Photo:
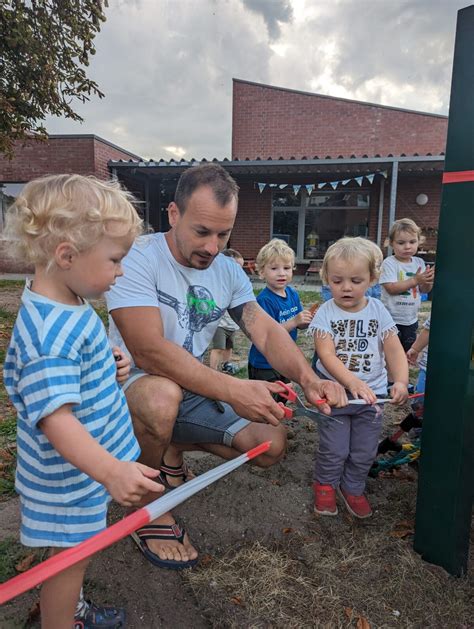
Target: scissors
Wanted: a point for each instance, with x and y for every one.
(301, 411)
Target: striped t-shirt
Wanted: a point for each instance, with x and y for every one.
(58, 355)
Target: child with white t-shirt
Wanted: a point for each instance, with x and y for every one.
(354, 337)
(403, 278)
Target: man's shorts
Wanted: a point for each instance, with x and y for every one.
(223, 339)
(61, 526)
(200, 420)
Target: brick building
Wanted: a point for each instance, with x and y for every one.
(81, 154)
(313, 168)
(310, 168)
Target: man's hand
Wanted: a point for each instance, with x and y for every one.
(331, 391)
(252, 399)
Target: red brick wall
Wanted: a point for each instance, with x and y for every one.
(274, 122)
(87, 155)
(252, 226)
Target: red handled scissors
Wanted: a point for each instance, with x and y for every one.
(301, 411)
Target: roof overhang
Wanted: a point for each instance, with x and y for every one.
(162, 169)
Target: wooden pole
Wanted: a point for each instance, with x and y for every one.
(446, 480)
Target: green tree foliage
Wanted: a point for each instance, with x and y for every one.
(44, 48)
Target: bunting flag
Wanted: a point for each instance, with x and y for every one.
(309, 187)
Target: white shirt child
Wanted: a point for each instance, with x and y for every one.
(403, 307)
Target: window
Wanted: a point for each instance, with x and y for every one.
(311, 223)
(8, 193)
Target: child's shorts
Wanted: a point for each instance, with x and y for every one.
(62, 526)
(223, 339)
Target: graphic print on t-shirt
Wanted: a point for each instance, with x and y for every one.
(402, 276)
(199, 310)
(352, 343)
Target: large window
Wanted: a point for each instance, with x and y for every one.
(311, 223)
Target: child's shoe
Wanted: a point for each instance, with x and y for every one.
(359, 506)
(91, 616)
(324, 499)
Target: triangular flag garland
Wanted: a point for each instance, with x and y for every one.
(309, 187)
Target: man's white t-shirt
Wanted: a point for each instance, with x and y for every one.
(358, 338)
(403, 307)
(191, 301)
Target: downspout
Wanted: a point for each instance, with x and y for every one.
(393, 198)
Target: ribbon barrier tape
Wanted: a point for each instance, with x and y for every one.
(52, 566)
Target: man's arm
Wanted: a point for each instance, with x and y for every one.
(142, 331)
(274, 342)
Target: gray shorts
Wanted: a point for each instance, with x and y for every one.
(223, 339)
(200, 420)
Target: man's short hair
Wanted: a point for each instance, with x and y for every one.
(217, 178)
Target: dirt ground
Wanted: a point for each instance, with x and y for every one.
(267, 561)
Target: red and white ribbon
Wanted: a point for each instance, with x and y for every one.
(52, 566)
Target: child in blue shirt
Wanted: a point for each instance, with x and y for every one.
(75, 442)
(275, 263)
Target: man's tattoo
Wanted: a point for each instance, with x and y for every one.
(244, 315)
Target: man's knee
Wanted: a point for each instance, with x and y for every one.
(154, 404)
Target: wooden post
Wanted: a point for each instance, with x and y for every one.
(446, 480)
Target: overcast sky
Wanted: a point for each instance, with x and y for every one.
(166, 66)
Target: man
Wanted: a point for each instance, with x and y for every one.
(165, 310)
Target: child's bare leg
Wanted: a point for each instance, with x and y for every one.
(226, 355)
(215, 358)
(60, 594)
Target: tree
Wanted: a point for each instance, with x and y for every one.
(44, 47)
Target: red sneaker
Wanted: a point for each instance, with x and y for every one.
(324, 499)
(359, 506)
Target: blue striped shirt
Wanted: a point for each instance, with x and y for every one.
(58, 355)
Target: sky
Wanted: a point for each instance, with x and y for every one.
(166, 66)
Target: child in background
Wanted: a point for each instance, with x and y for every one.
(418, 353)
(403, 278)
(76, 447)
(223, 341)
(275, 263)
(354, 337)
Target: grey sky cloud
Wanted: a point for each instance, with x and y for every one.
(167, 67)
(274, 13)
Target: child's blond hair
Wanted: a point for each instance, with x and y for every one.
(348, 249)
(274, 249)
(66, 208)
(404, 225)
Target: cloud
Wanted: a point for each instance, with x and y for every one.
(167, 67)
(274, 13)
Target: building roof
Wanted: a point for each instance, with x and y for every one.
(310, 165)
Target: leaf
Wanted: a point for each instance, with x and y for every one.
(33, 613)
(287, 530)
(362, 623)
(237, 600)
(349, 612)
(206, 560)
(26, 563)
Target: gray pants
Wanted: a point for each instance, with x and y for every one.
(347, 450)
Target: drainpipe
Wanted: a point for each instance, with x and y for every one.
(393, 199)
(380, 217)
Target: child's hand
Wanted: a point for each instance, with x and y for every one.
(360, 389)
(412, 356)
(122, 363)
(129, 482)
(425, 277)
(399, 393)
(303, 319)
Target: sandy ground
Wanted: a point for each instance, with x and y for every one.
(267, 561)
